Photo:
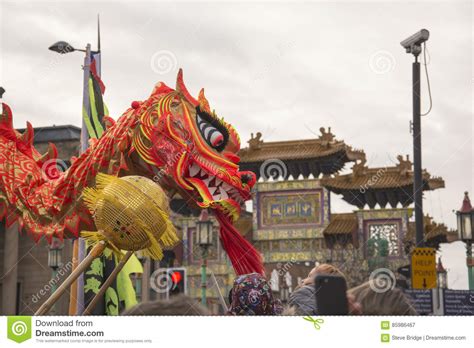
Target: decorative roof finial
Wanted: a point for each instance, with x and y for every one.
(466, 204)
(255, 143)
(326, 137)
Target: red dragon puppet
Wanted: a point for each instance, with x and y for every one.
(171, 137)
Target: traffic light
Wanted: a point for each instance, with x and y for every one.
(177, 279)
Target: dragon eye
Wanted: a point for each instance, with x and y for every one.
(211, 131)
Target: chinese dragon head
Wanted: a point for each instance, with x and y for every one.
(181, 139)
(192, 150)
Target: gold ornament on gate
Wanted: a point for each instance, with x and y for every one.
(130, 213)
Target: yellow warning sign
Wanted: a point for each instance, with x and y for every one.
(423, 268)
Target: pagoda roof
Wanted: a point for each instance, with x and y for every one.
(383, 185)
(435, 233)
(343, 228)
(324, 155)
(344, 223)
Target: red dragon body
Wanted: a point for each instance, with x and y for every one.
(171, 137)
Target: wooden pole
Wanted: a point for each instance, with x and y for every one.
(107, 283)
(73, 292)
(95, 252)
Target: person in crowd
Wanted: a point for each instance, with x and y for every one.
(325, 268)
(376, 301)
(176, 305)
(252, 295)
(303, 299)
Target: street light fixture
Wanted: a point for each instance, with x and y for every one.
(204, 230)
(442, 275)
(204, 235)
(63, 47)
(465, 219)
(54, 262)
(55, 254)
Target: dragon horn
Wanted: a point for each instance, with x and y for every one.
(203, 103)
(6, 117)
(181, 89)
(51, 153)
(28, 135)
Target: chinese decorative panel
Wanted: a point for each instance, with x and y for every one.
(285, 209)
(383, 238)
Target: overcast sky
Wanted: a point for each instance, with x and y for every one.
(284, 69)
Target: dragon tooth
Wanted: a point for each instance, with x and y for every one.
(217, 197)
(212, 190)
(193, 170)
(218, 181)
(224, 194)
(203, 172)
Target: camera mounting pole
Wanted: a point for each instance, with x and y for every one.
(413, 45)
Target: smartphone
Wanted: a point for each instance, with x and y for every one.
(331, 297)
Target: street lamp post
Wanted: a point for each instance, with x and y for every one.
(204, 229)
(465, 220)
(63, 47)
(54, 262)
(413, 45)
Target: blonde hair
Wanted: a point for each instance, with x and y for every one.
(390, 302)
(326, 268)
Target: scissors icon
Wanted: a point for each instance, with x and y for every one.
(316, 322)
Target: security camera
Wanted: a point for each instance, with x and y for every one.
(413, 43)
